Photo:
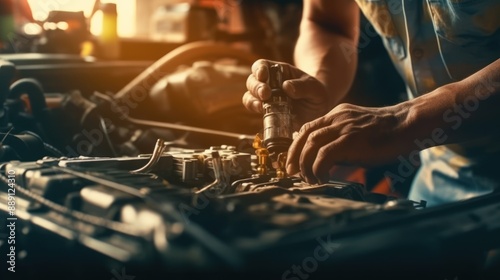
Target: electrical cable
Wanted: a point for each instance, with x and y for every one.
(53, 150)
(106, 135)
(190, 129)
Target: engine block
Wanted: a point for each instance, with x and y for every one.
(161, 220)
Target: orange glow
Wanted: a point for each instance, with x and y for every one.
(126, 12)
(41, 8)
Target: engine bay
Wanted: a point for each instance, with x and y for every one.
(193, 210)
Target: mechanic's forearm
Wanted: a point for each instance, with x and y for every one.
(328, 56)
(461, 111)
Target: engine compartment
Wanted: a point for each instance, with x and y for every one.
(157, 222)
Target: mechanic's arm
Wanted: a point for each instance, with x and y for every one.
(465, 110)
(325, 52)
(355, 135)
(327, 46)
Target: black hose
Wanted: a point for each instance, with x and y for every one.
(34, 90)
(48, 148)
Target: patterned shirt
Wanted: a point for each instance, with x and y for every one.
(433, 43)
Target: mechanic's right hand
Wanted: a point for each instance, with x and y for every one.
(309, 96)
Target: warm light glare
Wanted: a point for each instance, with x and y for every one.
(126, 13)
(41, 8)
(96, 24)
(126, 17)
(32, 29)
(62, 25)
(50, 26)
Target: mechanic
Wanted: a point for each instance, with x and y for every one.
(447, 51)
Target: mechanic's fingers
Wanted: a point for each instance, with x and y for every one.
(251, 103)
(292, 163)
(301, 88)
(315, 143)
(257, 88)
(260, 69)
(290, 89)
(328, 156)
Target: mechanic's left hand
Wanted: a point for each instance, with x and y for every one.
(349, 135)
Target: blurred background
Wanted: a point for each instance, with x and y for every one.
(181, 62)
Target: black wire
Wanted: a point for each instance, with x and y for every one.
(106, 135)
(53, 150)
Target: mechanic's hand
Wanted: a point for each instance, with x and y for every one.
(349, 135)
(308, 95)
